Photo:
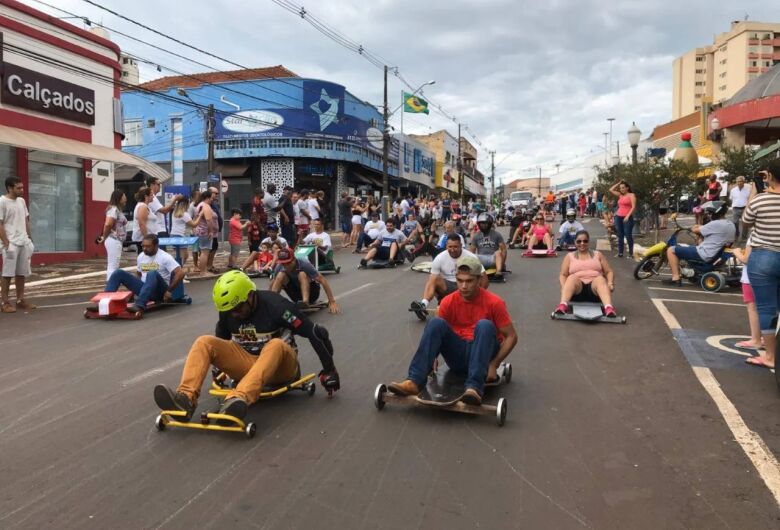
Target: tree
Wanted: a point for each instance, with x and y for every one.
(738, 161)
(651, 182)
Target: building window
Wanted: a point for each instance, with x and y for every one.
(699, 58)
(341, 146)
(56, 202)
(699, 83)
(697, 108)
(700, 71)
(279, 143)
(301, 144)
(257, 144)
(133, 133)
(235, 144)
(320, 144)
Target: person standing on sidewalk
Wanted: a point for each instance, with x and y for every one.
(215, 238)
(345, 213)
(16, 244)
(763, 214)
(114, 231)
(624, 218)
(287, 215)
(145, 222)
(739, 196)
(157, 208)
(271, 204)
(205, 229)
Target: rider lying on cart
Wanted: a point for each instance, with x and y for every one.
(473, 332)
(246, 315)
(586, 277)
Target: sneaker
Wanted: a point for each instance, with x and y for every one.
(7, 308)
(132, 308)
(471, 397)
(235, 407)
(671, 281)
(363, 264)
(25, 305)
(562, 308)
(416, 305)
(609, 311)
(407, 387)
(166, 399)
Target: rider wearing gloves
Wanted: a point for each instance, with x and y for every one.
(246, 315)
(489, 245)
(716, 234)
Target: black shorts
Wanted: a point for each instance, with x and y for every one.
(214, 244)
(254, 246)
(382, 253)
(293, 289)
(586, 295)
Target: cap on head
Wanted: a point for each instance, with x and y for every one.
(231, 289)
(471, 263)
(284, 257)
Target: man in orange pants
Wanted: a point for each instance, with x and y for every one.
(248, 346)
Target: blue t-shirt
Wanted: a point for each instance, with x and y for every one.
(301, 265)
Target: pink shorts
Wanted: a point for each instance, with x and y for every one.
(747, 294)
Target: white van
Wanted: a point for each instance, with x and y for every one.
(521, 199)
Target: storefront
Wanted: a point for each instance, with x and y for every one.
(61, 128)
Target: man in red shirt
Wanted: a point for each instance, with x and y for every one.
(473, 332)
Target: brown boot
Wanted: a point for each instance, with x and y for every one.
(471, 397)
(407, 387)
(6, 307)
(24, 305)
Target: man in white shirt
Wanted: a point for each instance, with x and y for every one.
(270, 204)
(386, 246)
(405, 207)
(739, 197)
(444, 268)
(302, 215)
(320, 239)
(371, 231)
(157, 276)
(157, 208)
(16, 244)
(314, 206)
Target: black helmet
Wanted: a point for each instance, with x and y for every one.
(485, 222)
(715, 209)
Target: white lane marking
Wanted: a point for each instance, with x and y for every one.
(61, 305)
(751, 443)
(152, 372)
(716, 342)
(697, 302)
(669, 318)
(73, 277)
(356, 289)
(756, 450)
(692, 291)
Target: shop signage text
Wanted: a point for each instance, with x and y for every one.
(42, 93)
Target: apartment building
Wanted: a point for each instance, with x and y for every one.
(716, 72)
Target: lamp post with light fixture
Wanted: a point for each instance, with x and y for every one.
(633, 140)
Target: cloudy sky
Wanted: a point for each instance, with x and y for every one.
(533, 80)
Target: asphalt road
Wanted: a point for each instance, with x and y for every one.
(608, 425)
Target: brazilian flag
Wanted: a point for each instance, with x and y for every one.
(415, 104)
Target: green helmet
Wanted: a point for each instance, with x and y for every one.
(232, 289)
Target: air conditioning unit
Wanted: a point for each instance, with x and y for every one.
(150, 124)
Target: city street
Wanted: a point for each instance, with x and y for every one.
(643, 425)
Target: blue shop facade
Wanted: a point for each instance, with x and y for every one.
(290, 131)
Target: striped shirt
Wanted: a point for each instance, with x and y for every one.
(763, 212)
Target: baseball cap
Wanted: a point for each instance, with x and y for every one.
(471, 263)
(284, 257)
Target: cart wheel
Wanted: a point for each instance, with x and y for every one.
(338, 270)
(507, 372)
(159, 422)
(86, 313)
(379, 396)
(250, 430)
(623, 320)
(552, 315)
(501, 412)
(188, 301)
(712, 281)
(310, 389)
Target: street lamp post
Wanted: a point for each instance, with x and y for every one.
(633, 139)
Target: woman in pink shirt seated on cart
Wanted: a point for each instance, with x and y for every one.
(586, 277)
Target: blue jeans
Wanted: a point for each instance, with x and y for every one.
(764, 274)
(566, 239)
(625, 228)
(463, 357)
(153, 289)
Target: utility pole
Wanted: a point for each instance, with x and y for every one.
(540, 181)
(461, 181)
(609, 155)
(385, 146)
(492, 175)
(210, 138)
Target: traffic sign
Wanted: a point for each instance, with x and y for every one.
(224, 186)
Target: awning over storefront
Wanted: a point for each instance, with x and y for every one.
(366, 180)
(232, 170)
(766, 151)
(55, 144)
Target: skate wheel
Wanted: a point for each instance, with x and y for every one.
(159, 422)
(310, 389)
(338, 270)
(507, 372)
(623, 320)
(379, 396)
(501, 412)
(250, 430)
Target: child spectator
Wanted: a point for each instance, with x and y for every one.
(236, 236)
(756, 341)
